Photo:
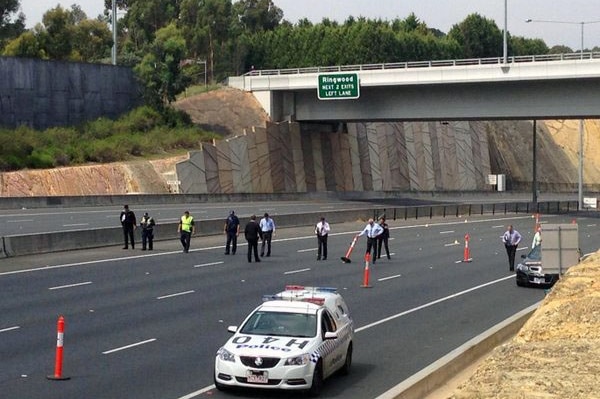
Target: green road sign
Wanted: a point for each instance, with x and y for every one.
(338, 86)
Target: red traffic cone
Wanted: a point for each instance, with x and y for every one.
(365, 283)
(346, 259)
(467, 252)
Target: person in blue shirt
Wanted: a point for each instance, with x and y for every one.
(372, 230)
(511, 239)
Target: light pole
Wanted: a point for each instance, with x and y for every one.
(114, 32)
(581, 121)
(504, 37)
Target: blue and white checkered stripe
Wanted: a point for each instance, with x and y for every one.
(330, 345)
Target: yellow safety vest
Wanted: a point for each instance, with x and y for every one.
(187, 223)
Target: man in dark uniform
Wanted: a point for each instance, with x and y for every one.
(252, 233)
(382, 239)
(147, 223)
(232, 230)
(128, 223)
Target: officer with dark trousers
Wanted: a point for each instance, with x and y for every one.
(511, 239)
(267, 227)
(232, 230)
(382, 239)
(128, 223)
(147, 224)
(372, 230)
(322, 231)
(252, 233)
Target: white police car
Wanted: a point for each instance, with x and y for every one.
(293, 340)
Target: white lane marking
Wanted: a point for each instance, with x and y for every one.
(306, 250)
(198, 393)
(426, 305)
(128, 346)
(210, 264)
(327, 207)
(591, 225)
(19, 221)
(76, 224)
(9, 329)
(389, 278)
(60, 287)
(174, 295)
(522, 248)
(297, 271)
(452, 244)
(447, 232)
(385, 320)
(498, 226)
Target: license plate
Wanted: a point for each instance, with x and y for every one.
(257, 377)
(538, 280)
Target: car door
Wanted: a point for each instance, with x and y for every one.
(331, 348)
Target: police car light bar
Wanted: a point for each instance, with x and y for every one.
(303, 288)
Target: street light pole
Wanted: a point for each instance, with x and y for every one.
(505, 39)
(114, 32)
(581, 121)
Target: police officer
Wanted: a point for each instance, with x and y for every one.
(252, 233)
(186, 229)
(128, 223)
(372, 230)
(267, 227)
(322, 231)
(382, 239)
(232, 230)
(147, 224)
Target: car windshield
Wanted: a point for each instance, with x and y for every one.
(281, 324)
(535, 253)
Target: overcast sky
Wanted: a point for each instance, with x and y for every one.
(440, 14)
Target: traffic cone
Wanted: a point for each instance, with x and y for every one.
(467, 252)
(58, 361)
(365, 283)
(346, 259)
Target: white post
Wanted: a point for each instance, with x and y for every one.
(114, 32)
(505, 45)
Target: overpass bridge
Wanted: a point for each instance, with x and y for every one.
(556, 86)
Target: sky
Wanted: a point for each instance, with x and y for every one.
(440, 14)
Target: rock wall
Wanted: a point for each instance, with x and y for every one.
(289, 157)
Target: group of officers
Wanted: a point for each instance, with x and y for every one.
(377, 234)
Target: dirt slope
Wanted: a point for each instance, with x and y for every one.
(556, 355)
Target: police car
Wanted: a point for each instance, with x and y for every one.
(293, 340)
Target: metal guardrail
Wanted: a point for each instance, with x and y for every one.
(427, 64)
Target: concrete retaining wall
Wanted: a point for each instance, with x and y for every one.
(42, 94)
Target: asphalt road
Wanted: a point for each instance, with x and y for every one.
(147, 325)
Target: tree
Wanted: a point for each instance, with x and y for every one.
(479, 37)
(160, 69)
(522, 46)
(560, 49)
(9, 28)
(26, 45)
(258, 15)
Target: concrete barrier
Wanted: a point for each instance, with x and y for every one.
(436, 374)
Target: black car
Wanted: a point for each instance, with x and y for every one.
(530, 271)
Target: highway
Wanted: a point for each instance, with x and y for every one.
(28, 221)
(147, 325)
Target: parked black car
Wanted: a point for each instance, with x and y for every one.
(530, 271)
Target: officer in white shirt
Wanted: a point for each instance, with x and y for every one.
(267, 226)
(371, 230)
(322, 230)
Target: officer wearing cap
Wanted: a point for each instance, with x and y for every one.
(147, 224)
(372, 230)
(231, 230)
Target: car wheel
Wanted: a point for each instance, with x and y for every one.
(520, 283)
(345, 370)
(218, 385)
(317, 381)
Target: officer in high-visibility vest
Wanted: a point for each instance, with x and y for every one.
(186, 229)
